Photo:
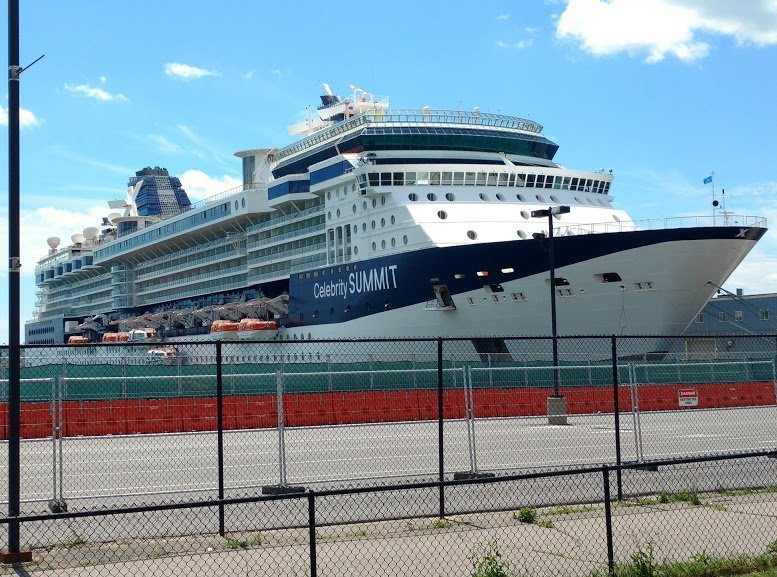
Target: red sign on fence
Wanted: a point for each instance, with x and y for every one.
(688, 397)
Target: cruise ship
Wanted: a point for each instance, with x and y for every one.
(381, 222)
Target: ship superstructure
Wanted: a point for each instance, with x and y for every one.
(390, 222)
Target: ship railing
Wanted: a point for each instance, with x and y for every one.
(225, 194)
(660, 224)
(384, 116)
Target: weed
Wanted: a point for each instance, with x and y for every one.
(357, 534)
(526, 515)
(663, 497)
(158, 552)
(488, 562)
(571, 509)
(691, 497)
(251, 541)
(547, 524)
(442, 524)
(76, 541)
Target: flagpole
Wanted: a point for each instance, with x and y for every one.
(712, 176)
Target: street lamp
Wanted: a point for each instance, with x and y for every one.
(557, 406)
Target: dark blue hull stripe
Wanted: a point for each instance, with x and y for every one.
(346, 292)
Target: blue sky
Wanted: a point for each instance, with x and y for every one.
(661, 91)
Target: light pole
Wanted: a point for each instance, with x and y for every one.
(557, 405)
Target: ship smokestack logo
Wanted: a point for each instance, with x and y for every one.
(365, 281)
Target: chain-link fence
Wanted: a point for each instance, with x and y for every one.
(124, 424)
(708, 511)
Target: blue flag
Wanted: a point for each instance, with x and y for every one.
(708, 180)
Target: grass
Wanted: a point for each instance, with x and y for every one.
(251, 541)
(691, 497)
(644, 564)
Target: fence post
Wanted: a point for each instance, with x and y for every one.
(616, 410)
(440, 428)
(608, 520)
(220, 433)
(312, 532)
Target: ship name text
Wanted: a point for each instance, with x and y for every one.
(363, 281)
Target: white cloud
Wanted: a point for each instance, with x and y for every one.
(163, 145)
(199, 185)
(503, 17)
(96, 93)
(277, 73)
(248, 75)
(661, 28)
(187, 72)
(27, 118)
(521, 44)
(103, 79)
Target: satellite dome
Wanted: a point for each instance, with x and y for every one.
(113, 216)
(77, 238)
(90, 232)
(52, 241)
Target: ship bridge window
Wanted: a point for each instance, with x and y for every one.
(399, 179)
(540, 181)
(608, 277)
(458, 178)
(520, 180)
(447, 178)
(423, 178)
(385, 179)
(503, 178)
(574, 184)
(469, 179)
(530, 180)
(374, 180)
(434, 179)
(557, 182)
(481, 179)
(548, 182)
(410, 178)
(511, 181)
(492, 179)
(565, 185)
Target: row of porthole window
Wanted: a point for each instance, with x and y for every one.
(338, 191)
(242, 203)
(383, 243)
(413, 197)
(365, 206)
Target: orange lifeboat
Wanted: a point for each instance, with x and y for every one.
(222, 326)
(257, 325)
(110, 337)
(122, 337)
(77, 340)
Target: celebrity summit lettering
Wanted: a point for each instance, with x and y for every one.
(363, 281)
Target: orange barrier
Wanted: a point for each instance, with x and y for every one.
(119, 417)
(3, 421)
(93, 418)
(35, 420)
